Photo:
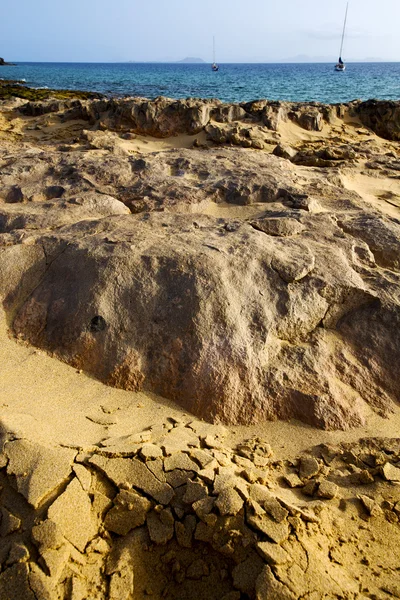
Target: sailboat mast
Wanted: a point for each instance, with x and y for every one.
(344, 30)
(214, 49)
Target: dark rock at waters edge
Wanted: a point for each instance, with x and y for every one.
(10, 88)
(383, 117)
(3, 63)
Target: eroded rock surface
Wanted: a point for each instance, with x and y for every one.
(244, 286)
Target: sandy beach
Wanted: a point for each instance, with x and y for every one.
(199, 350)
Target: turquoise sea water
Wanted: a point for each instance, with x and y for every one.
(232, 83)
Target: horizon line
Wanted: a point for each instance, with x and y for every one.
(182, 62)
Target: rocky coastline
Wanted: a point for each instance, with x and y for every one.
(3, 63)
(241, 261)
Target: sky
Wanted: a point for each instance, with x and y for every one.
(170, 30)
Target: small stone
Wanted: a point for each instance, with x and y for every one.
(161, 526)
(229, 502)
(284, 151)
(243, 462)
(99, 545)
(273, 554)
(129, 512)
(293, 480)
(204, 532)
(309, 467)
(15, 195)
(194, 491)
(390, 472)
(277, 532)
(212, 441)
(210, 519)
(209, 473)
(260, 461)
(310, 488)
(202, 457)
(279, 226)
(56, 560)
(327, 489)
(226, 477)
(150, 452)
(264, 498)
(18, 553)
(179, 439)
(8, 522)
(329, 453)
(373, 509)
(223, 458)
(365, 477)
(184, 531)
(177, 477)
(204, 506)
(47, 535)
(180, 461)
(84, 476)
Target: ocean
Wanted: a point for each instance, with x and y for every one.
(232, 83)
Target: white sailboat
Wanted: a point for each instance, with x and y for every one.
(214, 65)
(340, 66)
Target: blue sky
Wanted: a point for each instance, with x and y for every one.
(154, 30)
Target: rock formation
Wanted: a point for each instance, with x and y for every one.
(291, 312)
(246, 268)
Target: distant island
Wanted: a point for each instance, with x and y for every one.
(3, 63)
(191, 59)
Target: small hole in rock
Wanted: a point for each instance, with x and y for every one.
(97, 324)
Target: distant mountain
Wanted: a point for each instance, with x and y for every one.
(191, 59)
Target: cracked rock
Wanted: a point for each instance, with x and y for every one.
(129, 511)
(38, 470)
(390, 472)
(72, 513)
(161, 526)
(229, 502)
(132, 472)
(327, 489)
